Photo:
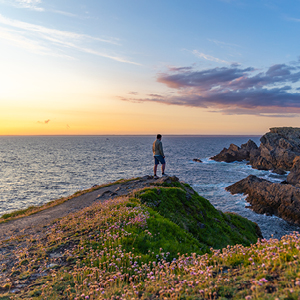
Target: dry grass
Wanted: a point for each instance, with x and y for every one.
(35, 209)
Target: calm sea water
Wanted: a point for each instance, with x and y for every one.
(35, 170)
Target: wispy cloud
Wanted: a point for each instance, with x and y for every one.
(180, 69)
(155, 95)
(30, 4)
(221, 44)
(59, 34)
(209, 57)
(65, 13)
(296, 20)
(17, 39)
(230, 48)
(35, 5)
(49, 41)
(234, 90)
(291, 19)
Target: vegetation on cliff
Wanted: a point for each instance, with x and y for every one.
(161, 242)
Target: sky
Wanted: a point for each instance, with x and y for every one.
(196, 67)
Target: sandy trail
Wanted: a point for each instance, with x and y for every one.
(34, 223)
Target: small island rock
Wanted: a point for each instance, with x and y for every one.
(235, 153)
(197, 160)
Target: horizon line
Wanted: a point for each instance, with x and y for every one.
(51, 135)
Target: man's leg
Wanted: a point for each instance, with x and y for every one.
(163, 166)
(155, 169)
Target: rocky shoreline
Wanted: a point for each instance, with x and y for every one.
(278, 152)
(282, 200)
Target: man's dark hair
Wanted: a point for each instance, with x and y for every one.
(158, 136)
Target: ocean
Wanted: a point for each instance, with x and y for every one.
(37, 169)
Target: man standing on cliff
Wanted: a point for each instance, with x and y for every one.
(159, 156)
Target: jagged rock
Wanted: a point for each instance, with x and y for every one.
(235, 153)
(167, 179)
(294, 175)
(277, 150)
(249, 146)
(282, 200)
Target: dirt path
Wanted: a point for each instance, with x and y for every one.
(35, 223)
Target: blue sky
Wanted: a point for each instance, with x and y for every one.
(103, 67)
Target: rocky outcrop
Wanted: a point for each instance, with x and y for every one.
(277, 150)
(235, 153)
(282, 200)
(294, 175)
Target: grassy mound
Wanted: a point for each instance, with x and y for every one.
(182, 205)
(150, 245)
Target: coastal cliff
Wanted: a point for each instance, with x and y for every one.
(278, 152)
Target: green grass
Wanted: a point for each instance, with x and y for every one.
(18, 213)
(197, 216)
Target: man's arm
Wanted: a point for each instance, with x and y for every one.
(161, 149)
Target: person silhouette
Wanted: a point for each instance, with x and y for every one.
(158, 154)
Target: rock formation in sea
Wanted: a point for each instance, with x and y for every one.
(197, 160)
(279, 151)
(282, 200)
(235, 153)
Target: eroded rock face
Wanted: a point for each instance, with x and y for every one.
(282, 200)
(235, 153)
(277, 150)
(294, 175)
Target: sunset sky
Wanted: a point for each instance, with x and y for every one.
(146, 67)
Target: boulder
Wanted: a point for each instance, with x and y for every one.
(282, 200)
(235, 153)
